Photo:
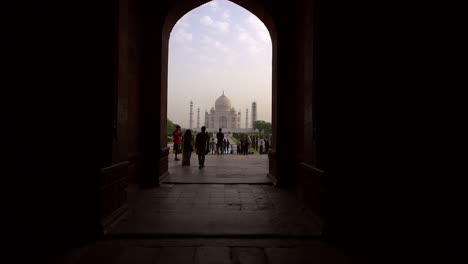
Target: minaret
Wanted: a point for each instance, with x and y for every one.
(239, 120)
(247, 118)
(206, 118)
(254, 113)
(191, 115)
(198, 117)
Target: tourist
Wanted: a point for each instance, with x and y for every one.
(202, 146)
(246, 145)
(220, 137)
(212, 146)
(177, 139)
(228, 144)
(260, 143)
(224, 146)
(187, 146)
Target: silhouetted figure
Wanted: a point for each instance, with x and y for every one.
(220, 137)
(228, 144)
(177, 138)
(202, 145)
(240, 147)
(187, 147)
(212, 146)
(246, 146)
(224, 146)
(267, 146)
(260, 144)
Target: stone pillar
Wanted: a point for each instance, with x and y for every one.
(153, 106)
(113, 193)
(282, 154)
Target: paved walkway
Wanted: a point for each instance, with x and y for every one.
(225, 169)
(215, 210)
(227, 203)
(204, 251)
(223, 222)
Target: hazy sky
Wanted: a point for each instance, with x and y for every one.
(219, 46)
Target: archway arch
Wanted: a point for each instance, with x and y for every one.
(179, 9)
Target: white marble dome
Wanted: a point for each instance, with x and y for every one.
(223, 103)
(223, 115)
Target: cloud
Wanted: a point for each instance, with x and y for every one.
(212, 43)
(259, 28)
(207, 40)
(219, 25)
(182, 35)
(226, 15)
(222, 26)
(255, 35)
(206, 20)
(221, 47)
(214, 5)
(245, 37)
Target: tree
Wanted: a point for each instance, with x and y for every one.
(170, 126)
(263, 127)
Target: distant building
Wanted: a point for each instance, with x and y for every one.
(224, 116)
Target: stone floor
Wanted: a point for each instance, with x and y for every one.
(216, 210)
(225, 169)
(203, 250)
(219, 221)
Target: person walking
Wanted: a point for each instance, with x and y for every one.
(220, 137)
(246, 145)
(240, 146)
(212, 146)
(187, 147)
(260, 143)
(202, 146)
(177, 139)
(228, 145)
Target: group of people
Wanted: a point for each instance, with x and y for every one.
(186, 145)
(203, 146)
(222, 146)
(263, 146)
(243, 146)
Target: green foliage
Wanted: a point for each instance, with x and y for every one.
(170, 128)
(263, 127)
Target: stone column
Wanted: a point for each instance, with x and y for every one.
(153, 106)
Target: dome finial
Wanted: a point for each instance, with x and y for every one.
(223, 92)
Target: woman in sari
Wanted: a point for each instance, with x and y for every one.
(187, 146)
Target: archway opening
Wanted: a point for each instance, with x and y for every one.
(164, 210)
(221, 48)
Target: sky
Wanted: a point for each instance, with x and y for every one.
(218, 47)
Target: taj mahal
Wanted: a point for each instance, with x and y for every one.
(224, 115)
